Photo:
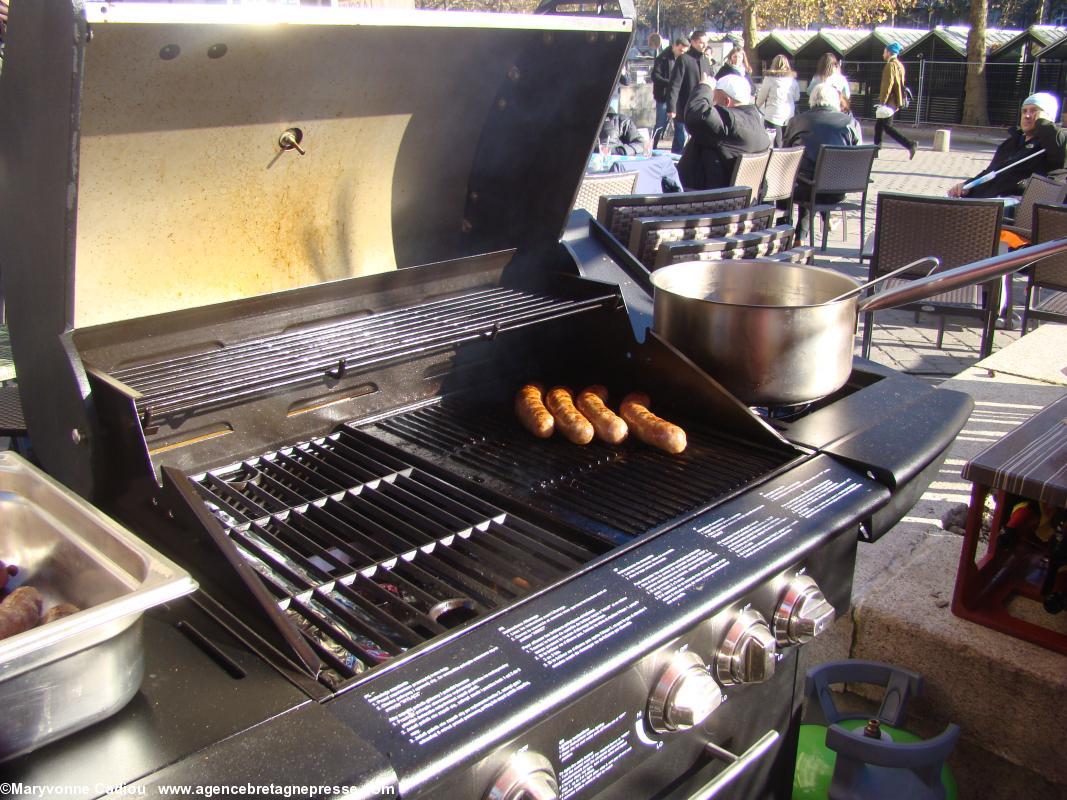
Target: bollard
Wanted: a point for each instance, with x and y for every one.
(942, 140)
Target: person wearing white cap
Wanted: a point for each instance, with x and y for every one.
(1037, 130)
(723, 123)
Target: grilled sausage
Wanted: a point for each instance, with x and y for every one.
(649, 428)
(610, 427)
(7, 571)
(531, 411)
(569, 420)
(20, 611)
(58, 612)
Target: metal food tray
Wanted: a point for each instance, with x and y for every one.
(61, 677)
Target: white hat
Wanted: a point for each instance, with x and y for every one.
(735, 87)
(1048, 104)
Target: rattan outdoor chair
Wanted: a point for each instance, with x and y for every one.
(909, 227)
(648, 233)
(1050, 222)
(617, 213)
(781, 176)
(1039, 189)
(838, 170)
(595, 186)
(757, 244)
(749, 169)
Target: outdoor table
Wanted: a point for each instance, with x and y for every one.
(1023, 559)
(651, 170)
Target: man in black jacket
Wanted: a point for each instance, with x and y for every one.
(688, 70)
(1036, 131)
(723, 123)
(661, 82)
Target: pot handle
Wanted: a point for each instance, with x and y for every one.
(887, 276)
(966, 275)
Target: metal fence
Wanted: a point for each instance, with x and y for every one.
(938, 89)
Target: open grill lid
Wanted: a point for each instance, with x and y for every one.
(163, 172)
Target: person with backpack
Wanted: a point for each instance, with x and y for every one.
(891, 99)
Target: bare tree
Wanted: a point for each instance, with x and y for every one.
(974, 95)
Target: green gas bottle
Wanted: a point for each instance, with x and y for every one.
(854, 756)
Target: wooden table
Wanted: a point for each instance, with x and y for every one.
(1026, 471)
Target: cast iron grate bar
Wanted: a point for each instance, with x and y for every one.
(369, 555)
(187, 384)
(630, 488)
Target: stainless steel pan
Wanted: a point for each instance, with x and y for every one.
(773, 333)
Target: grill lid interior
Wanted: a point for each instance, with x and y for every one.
(426, 136)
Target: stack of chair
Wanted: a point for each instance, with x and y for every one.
(706, 225)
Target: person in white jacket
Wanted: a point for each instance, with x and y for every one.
(777, 97)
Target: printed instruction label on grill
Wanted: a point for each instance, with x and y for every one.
(446, 698)
(669, 575)
(567, 631)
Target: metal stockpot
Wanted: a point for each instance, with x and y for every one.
(766, 331)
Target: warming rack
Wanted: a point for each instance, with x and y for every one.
(187, 384)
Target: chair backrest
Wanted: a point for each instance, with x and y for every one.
(781, 175)
(648, 233)
(909, 227)
(744, 245)
(616, 213)
(1050, 222)
(843, 169)
(593, 187)
(1039, 189)
(749, 169)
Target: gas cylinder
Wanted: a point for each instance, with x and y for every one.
(858, 756)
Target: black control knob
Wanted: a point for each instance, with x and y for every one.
(803, 612)
(527, 776)
(747, 654)
(684, 696)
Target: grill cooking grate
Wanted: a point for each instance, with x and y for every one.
(629, 488)
(369, 555)
(191, 383)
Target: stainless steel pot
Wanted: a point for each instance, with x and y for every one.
(766, 329)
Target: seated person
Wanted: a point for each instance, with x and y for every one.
(822, 124)
(621, 136)
(1036, 131)
(723, 122)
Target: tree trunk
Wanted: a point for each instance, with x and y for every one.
(1042, 7)
(974, 97)
(748, 35)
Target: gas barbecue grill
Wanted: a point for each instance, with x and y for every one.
(293, 373)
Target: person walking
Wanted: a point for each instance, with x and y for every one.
(777, 96)
(891, 99)
(828, 71)
(690, 68)
(661, 83)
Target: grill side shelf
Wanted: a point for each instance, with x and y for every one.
(189, 384)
